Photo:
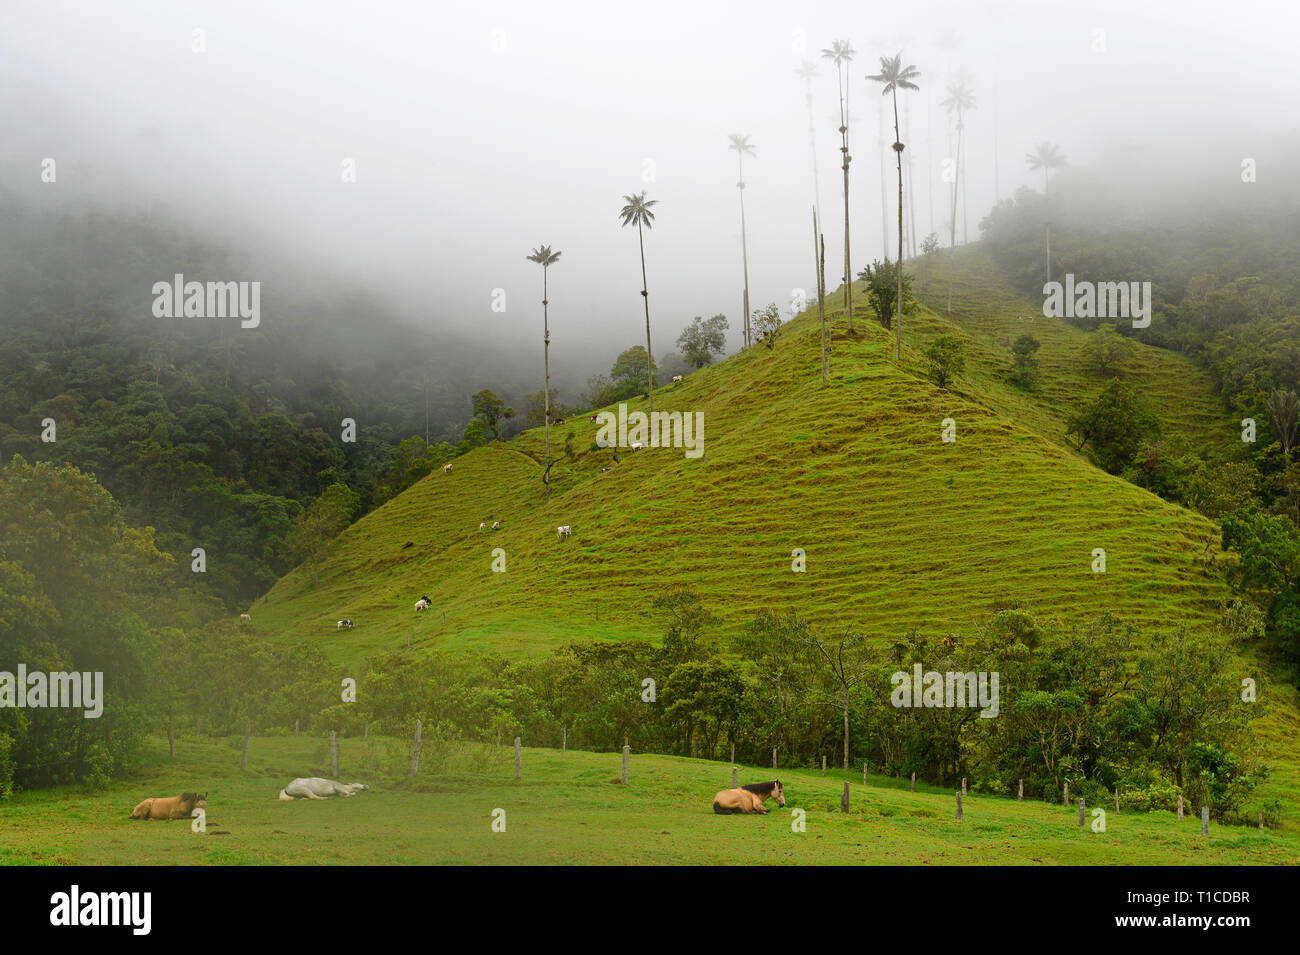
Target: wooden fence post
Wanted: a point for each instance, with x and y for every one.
(914, 780)
(171, 738)
(248, 731)
(1180, 808)
(963, 785)
(733, 752)
(823, 764)
(1205, 820)
(844, 800)
(1020, 794)
(627, 752)
(334, 754)
(959, 805)
(564, 740)
(1081, 812)
(774, 757)
(415, 750)
(519, 760)
(296, 727)
(735, 780)
(1065, 797)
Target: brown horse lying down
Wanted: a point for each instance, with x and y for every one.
(748, 799)
(170, 807)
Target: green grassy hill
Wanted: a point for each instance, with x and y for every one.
(569, 809)
(901, 530)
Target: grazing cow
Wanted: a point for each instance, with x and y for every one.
(345, 625)
(603, 470)
(170, 807)
(446, 468)
(677, 377)
(482, 526)
(314, 787)
(564, 530)
(558, 421)
(245, 618)
(637, 445)
(595, 417)
(424, 603)
(496, 525)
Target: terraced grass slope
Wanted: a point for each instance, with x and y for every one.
(901, 530)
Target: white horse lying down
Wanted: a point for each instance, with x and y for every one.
(313, 787)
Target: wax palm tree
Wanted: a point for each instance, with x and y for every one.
(636, 211)
(841, 53)
(960, 98)
(742, 147)
(544, 257)
(895, 76)
(1046, 156)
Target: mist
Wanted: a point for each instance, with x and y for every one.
(477, 135)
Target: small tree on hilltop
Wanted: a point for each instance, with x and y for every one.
(702, 340)
(1106, 349)
(767, 322)
(1116, 424)
(492, 410)
(947, 358)
(882, 289)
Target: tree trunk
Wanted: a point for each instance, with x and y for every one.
(744, 251)
(645, 297)
(846, 730)
(898, 305)
(546, 358)
(844, 151)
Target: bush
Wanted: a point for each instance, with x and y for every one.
(947, 358)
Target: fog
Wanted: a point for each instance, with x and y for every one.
(478, 134)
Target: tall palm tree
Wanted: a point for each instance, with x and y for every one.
(742, 147)
(960, 98)
(636, 211)
(806, 72)
(841, 53)
(544, 257)
(1046, 156)
(895, 76)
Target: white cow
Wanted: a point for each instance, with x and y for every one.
(564, 530)
(637, 445)
(446, 468)
(496, 525)
(482, 526)
(677, 377)
(245, 618)
(344, 625)
(422, 604)
(314, 787)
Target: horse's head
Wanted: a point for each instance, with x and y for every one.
(779, 794)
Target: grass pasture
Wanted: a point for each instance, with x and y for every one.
(568, 809)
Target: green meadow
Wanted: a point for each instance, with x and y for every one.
(570, 808)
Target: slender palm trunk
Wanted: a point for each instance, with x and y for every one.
(546, 359)
(812, 144)
(645, 297)
(952, 219)
(911, 186)
(846, 730)
(1047, 200)
(844, 151)
(884, 193)
(898, 305)
(819, 260)
(744, 249)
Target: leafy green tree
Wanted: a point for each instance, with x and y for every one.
(766, 323)
(947, 358)
(492, 410)
(1105, 349)
(1024, 371)
(702, 340)
(323, 520)
(632, 373)
(1114, 424)
(882, 289)
(1284, 411)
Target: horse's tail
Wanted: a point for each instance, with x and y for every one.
(285, 796)
(722, 810)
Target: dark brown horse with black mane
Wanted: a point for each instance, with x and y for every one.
(748, 799)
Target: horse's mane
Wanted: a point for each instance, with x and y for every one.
(762, 789)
